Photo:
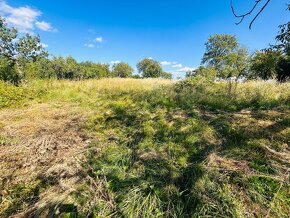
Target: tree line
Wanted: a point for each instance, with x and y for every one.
(24, 57)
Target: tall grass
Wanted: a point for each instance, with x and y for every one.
(179, 149)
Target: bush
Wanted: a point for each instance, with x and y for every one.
(8, 72)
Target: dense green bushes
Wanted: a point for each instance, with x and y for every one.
(11, 95)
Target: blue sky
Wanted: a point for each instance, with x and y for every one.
(170, 31)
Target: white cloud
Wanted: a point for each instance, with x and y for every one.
(95, 43)
(115, 62)
(171, 64)
(44, 26)
(166, 63)
(24, 18)
(44, 45)
(90, 45)
(99, 39)
(185, 69)
(177, 65)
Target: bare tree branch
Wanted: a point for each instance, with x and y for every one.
(242, 16)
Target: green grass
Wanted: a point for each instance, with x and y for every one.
(178, 149)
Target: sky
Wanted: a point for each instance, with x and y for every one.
(170, 31)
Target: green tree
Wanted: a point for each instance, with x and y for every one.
(283, 68)
(166, 75)
(16, 51)
(72, 68)
(59, 67)
(149, 68)
(264, 64)
(122, 70)
(207, 72)
(8, 71)
(45, 69)
(226, 56)
(94, 70)
(283, 45)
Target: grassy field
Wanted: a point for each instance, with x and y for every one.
(144, 148)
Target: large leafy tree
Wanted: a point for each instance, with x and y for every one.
(264, 64)
(226, 56)
(17, 50)
(149, 68)
(122, 70)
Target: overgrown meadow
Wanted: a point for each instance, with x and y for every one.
(159, 148)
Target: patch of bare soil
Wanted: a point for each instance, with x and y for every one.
(41, 142)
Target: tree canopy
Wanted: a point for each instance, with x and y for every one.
(122, 70)
(226, 56)
(18, 50)
(149, 68)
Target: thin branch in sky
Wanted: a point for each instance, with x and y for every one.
(242, 16)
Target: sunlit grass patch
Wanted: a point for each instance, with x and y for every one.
(159, 148)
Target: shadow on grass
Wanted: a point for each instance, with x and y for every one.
(152, 159)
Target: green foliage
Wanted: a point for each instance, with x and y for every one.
(264, 64)
(66, 68)
(7, 35)
(283, 68)
(95, 70)
(204, 93)
(30, 48)
(18, 194)
(149, 68)
(16, 51)
(8, 72)
(166, 75)
(207, 72)
(283, 46)
(224, 54)
(13, 96)
(283, 38)
(122, 70)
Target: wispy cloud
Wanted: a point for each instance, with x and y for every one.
(89, 45)
(45, 26)
(44, 45)
(185, 69)
(96, 42)
(166, 63)
(99, 39)
(115, 62)
(177, 66)
(173, 64)
(24, 18)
